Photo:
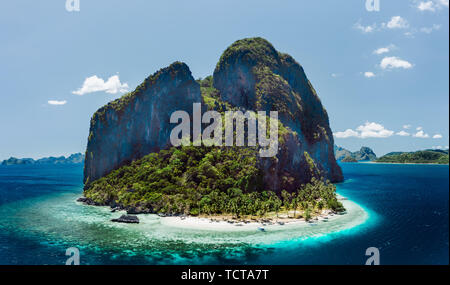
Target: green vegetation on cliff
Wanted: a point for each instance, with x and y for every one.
(254, 50)
(212, 100)
(425, 156)
(204, 180)
(211, 96)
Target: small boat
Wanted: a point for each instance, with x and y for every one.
(261, 229)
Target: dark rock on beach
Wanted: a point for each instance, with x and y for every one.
(87, 201)
(128, 219)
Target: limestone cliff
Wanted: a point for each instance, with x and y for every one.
(138, 123)
(252, 75)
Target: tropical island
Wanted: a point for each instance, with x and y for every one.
(420, 157)
(130, 164)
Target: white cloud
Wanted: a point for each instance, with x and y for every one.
(374, 130)
(56, 102)
(406, 126)
(346, 134)
(396, 22)
(440, 147)
(368, 130)
(427, 6)
(437, 136)
(421, 134)
(432, 6)
(336, 75)
(403, 134)
(409, 34)
(429, 30)
(394, 62)
(382, 50)
(365, 29)
(419, 128)
(96, 84)
(443, 3)
(369, 74)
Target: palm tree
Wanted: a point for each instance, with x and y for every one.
(295, 203)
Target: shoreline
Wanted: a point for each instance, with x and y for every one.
(228, 223)
(271, 224)
(210, 223)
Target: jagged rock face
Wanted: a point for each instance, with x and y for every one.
(139, 123)
(341, 153)
(252, 75)
(364, 154)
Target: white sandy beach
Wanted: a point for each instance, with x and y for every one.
(280, 223)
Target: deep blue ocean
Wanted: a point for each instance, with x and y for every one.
(408, 222)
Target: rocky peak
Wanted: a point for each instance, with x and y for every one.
(138, 123)
(252, 74)
(365, 154)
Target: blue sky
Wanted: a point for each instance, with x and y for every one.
(377, 73)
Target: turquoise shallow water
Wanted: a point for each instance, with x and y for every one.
(405, 215)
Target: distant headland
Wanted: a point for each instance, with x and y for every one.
(366, 154)
(344, 155)
(76, 158)
(430, 156)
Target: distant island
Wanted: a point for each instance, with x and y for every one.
(349, 159)
(344, 155)
(76, 158)
(435, 156)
